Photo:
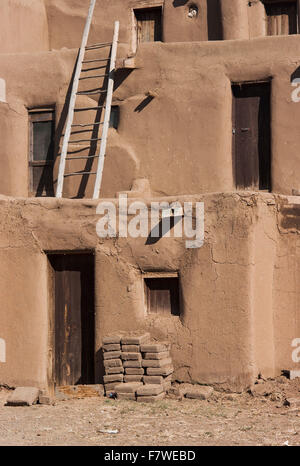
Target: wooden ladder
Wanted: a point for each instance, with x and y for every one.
(107, 93)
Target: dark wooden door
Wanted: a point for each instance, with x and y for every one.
(74, 318)
(149, 25)
(252, 136)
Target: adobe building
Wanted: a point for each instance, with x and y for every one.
(205, 109)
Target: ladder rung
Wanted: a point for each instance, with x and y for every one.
(91, 92)
(98, 59)
(90, 124)
(79, 132)
(106, 64)
(94, 68)
(99, 43)
(84, 140)
(80, 173)
(89, 49)
(88, 108)
(98, 46)
(92, 77)
(83, 157)
(78, 150)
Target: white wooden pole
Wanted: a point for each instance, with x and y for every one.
(110, 90)
(62, 164)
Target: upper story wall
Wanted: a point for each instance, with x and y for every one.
(23, 26)
(37, 25)
(66, 20)
(215, 20)
(176, 121)
(175, 126)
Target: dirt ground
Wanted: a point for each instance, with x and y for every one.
(260, 418)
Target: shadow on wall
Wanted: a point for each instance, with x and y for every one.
(295, 82)
(99, 366)
(120, 76)
(46, 183)
(177, 3)
(162, 228)
(214, 20)
(95, 134)
(61, 124)
(144, 104)
(295, 74)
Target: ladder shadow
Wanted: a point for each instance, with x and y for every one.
(62, 122)
(93, 146)
(119, 77)
(45, 186)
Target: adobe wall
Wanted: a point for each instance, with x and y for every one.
(23, 26)
(35, 25)
(242, 19)
(66, 21)
(240, 290)
(216, 20)
(180, 137)
(235, 311)
(286, 282)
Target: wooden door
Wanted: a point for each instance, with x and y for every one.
(74, 318)
(252, 136)
(149, 25)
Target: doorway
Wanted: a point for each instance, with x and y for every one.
(73, 325)
(149, 24)
(251, 145)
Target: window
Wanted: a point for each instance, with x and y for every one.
(162, 295)
(114, 117)
(41, 152)
(149, 24)
(281, 17)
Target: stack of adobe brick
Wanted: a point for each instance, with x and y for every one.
(157, 364)
(136, 368)
(114, 371)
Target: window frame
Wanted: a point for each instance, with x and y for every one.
(145, 5)
(147, 291)
(116, 113)
(39, 115)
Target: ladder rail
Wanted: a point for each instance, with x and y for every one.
(75, 86)
(110, 89)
